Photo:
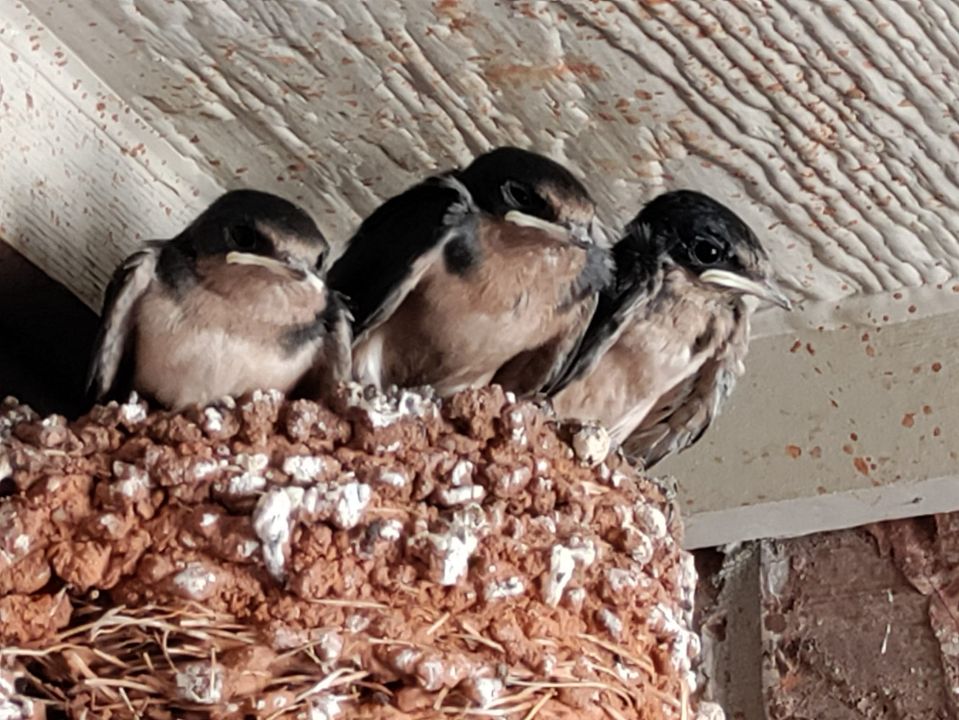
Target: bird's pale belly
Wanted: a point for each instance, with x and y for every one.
(450, 358)
(609, 395)
(455, 351)
(628, 380)
(182, 365)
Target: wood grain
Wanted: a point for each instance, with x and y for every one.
(831, 130)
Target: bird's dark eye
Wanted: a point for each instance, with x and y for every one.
(521, 196)
(242, 237)
(707, 251)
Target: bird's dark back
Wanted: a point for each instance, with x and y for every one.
(384, 249)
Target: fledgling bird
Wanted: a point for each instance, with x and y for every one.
(670, 333)
(233, 303)
(484, 274)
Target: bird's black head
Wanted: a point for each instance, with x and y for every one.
(530, 189)
(256, 223)
(709, 240)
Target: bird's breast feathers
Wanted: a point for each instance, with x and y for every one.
(219, 339)
(456, 329)
(663, 344)
(521, 261)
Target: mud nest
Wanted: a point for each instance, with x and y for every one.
(387, 557)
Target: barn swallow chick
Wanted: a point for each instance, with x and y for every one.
(478, 275)
(670, 333)
(233, 303)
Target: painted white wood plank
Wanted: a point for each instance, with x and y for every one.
(829, 430)
(84, 179)
(830, 129)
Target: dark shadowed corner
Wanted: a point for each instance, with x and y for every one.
(47, 334)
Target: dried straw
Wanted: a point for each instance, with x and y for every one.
(123, 663)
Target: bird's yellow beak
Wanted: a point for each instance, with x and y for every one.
(579, 233)
(531, 221)
(286, 266)
(766, 289)
(242, 258)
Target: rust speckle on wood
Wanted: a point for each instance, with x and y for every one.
(517, 73)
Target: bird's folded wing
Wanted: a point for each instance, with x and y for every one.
(616, 305)
(394, 247)
(531, 371)
(113, 341)
(335, 360)
(684, 413)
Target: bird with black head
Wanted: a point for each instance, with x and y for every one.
(670, 333)
(484, 274)
(235, 302)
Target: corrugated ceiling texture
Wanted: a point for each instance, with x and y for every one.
(832, 129)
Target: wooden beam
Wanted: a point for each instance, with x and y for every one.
(85, 180)
(729, 622)
(829, 430)
(831, 143)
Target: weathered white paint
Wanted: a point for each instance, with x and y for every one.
(827, 430)
(831, 129)
(813, 513)
(79, 187)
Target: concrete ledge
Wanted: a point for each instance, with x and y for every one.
(830, 430)
(822, 513)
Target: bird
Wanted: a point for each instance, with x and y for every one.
(236, 302)
(669, 337)
(487, 274)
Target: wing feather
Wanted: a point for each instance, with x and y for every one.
(684, 413)
(395, 245)
(635, 283)
(333, 361)
(113, 342)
